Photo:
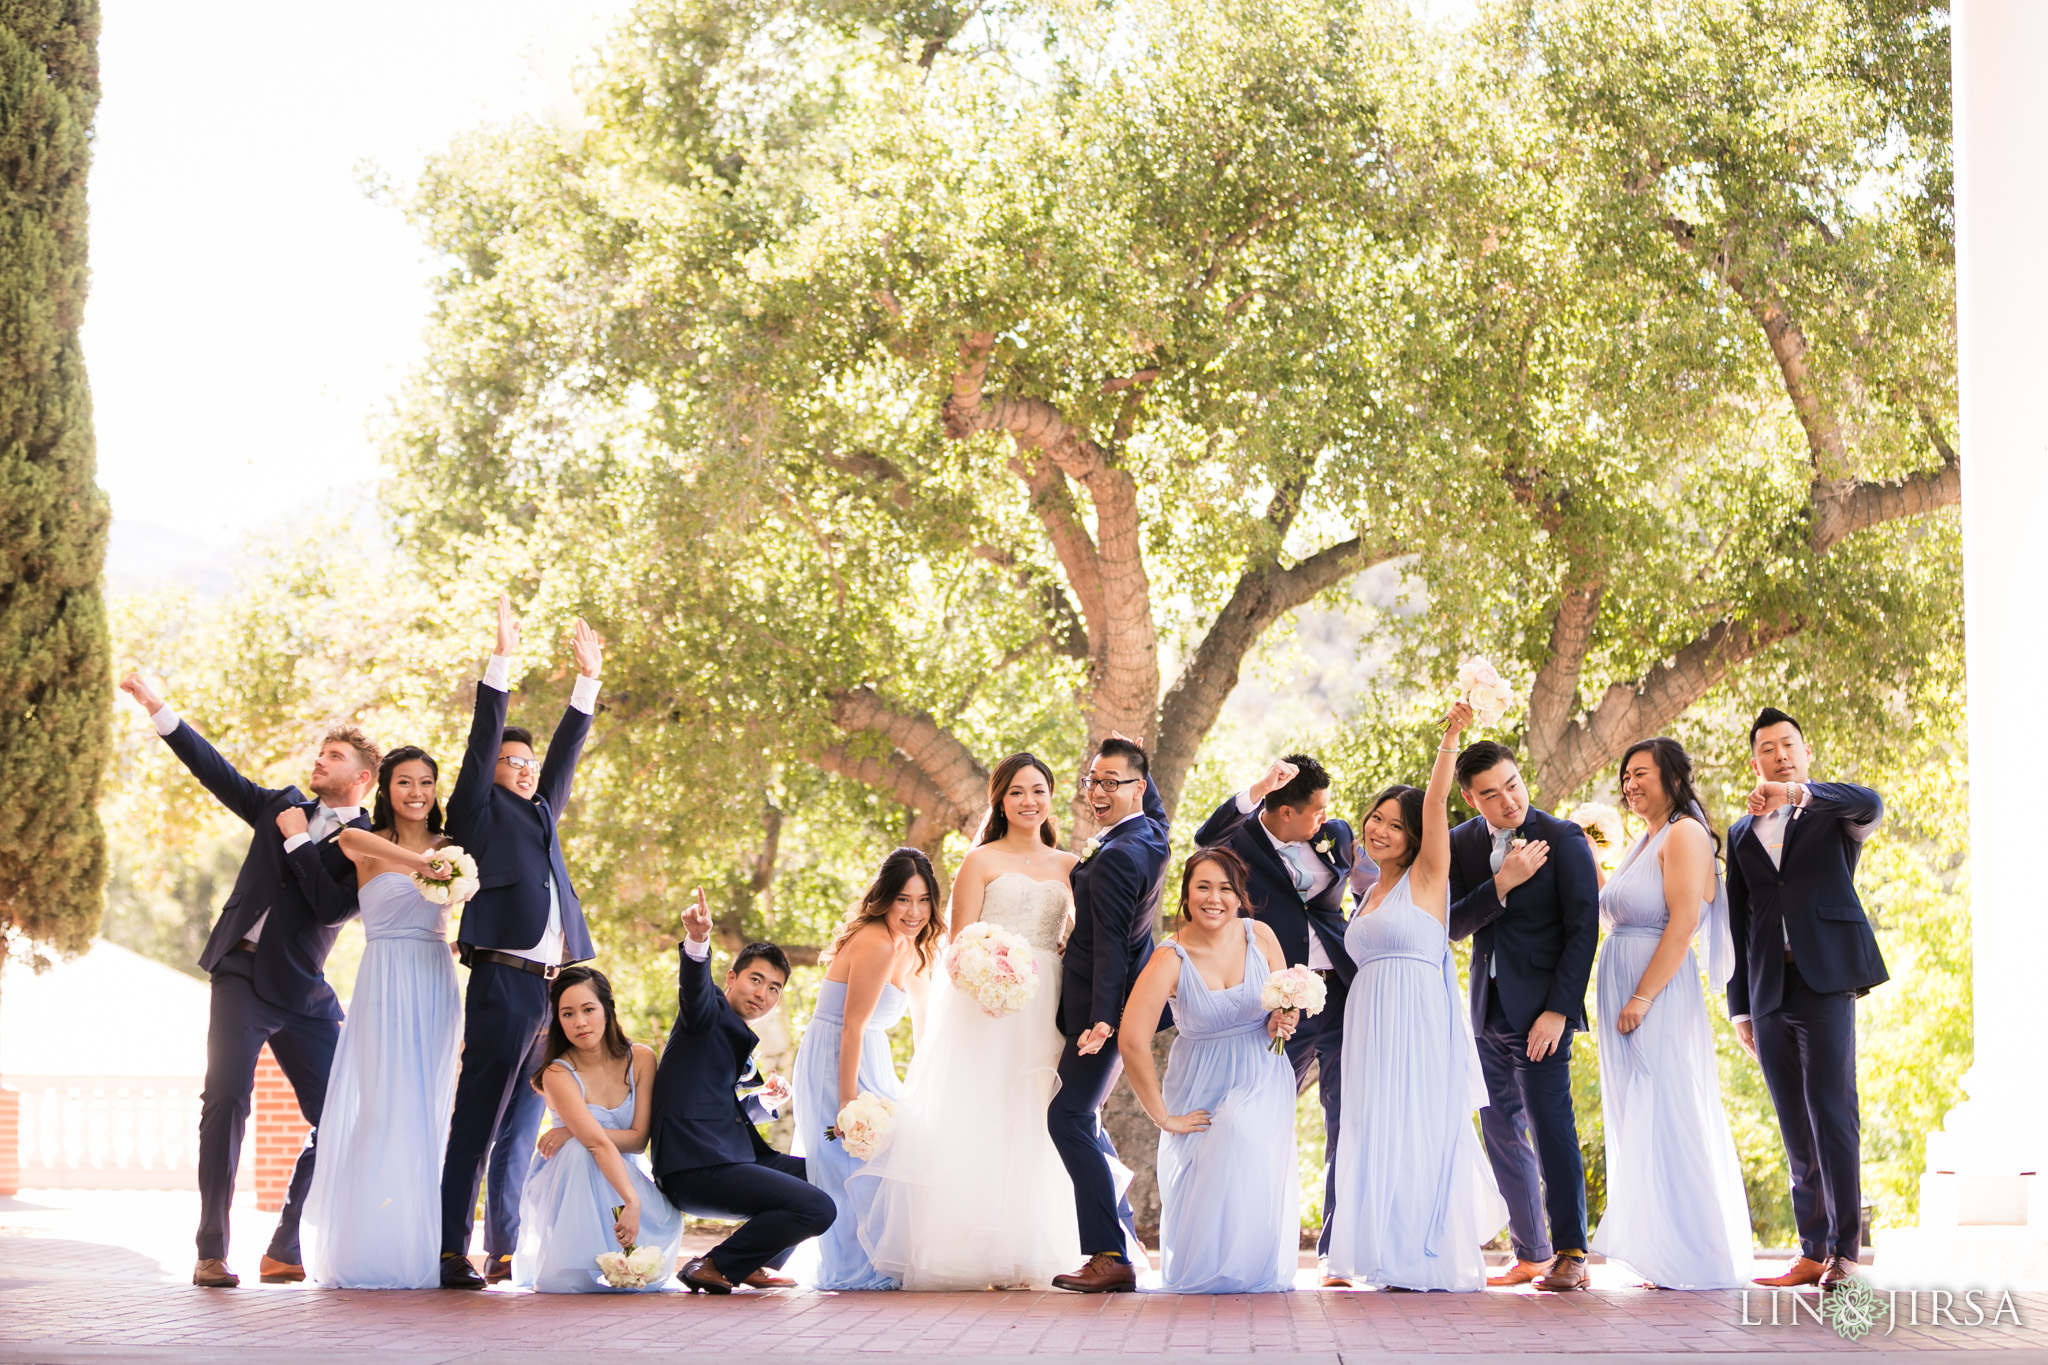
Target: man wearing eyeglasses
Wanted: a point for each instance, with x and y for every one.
(521, 927)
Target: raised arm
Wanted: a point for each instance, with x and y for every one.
(558, 768)
(696, 998)
(1433, 859)
(243, 798)
(469, 807)
(565, 1097)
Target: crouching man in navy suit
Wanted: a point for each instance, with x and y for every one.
(710, 1159)
(267, 956)
(523, 925)
(1299, 863)
(1807, 953)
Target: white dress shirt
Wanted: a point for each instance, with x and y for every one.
(583, 697)
(1300, 860)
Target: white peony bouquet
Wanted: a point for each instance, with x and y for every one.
(457, 882)
(1294, 988)
(863, 1124)
(633, 1268)
(1481, 687)
(993, 967)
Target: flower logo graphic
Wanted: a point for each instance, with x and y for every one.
(1852, 1309)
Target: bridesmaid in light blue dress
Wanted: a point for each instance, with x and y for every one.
(372, 1219)
(1229, 1194)
(1416, 1199)
(589, 1164)
(1677, 1213)
(879, 958)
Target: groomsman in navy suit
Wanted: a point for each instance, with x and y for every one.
(1300, 863)
(1808, 953)
(523, 925)
(266, 958)
(1525, 889)
(711, 1160)
(1116, 907)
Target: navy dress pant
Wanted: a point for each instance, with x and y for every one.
(239, 1023)
(1074, 1119)
(512, 1155)
(1807, 1050)
(1544, 1184)
(775, 1204)
(505, 1009)
(1319, 1042)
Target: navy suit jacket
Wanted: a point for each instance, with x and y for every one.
(700, 1119)
(1811, 894)
(514, 840)
(1541, 942)
(1116, 907)
(1274, 901)
(308, 892)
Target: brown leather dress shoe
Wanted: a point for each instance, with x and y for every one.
(703, 1277)
(1521, 1272)
(1104, 1274)
(213, 1273)
(273, 1271)
(764, 1278)
(1839, 1271)
(1800, 1272)
(1566, 1273)
(497, 1270)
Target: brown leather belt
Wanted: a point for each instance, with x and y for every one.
(546, 971)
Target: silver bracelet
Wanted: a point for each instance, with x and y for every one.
(1644, 998)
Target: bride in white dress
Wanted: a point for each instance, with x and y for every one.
(972, 1194)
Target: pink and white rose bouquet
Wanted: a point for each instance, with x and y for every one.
(633, 1268)
(863, 1124)
(994, 968)
(1481, 687)
(1293, 988)
(456, 881)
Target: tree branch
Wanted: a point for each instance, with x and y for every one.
(1554, 699)
(895, 776)
(956, 779)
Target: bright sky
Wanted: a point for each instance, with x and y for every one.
(251, 308)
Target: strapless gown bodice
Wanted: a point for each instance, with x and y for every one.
(1034, 910)
(391, 907)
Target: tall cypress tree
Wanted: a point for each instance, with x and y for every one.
(54, 672)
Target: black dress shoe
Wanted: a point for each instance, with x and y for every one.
(497, 1270)
(703, 1277)
(458, 1273)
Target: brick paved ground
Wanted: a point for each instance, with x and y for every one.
(102, 1277)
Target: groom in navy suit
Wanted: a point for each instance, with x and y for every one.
(1525, 889)
(523, 925)
(1299, 863)
(1116, 905)
(266, 958)
(711, 1160)
(1808, 952)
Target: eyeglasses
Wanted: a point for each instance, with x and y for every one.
(519, 762)
(1111, 785)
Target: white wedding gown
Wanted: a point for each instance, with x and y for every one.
(971, 1192)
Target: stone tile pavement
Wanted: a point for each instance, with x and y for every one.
(102, 1276)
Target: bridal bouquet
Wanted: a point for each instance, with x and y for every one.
(993, 967)
(457, 880)
(633, 1268)
(1295, 988)
(1480, 687)
(863, 1124)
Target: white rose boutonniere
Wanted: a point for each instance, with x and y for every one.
(1088, 849)
(1324, 845)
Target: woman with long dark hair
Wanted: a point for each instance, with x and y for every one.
(587, 1191)
(1229, 1189)
(969, 1192)
(874, 972)
(1677, 1213)
(372, 1218)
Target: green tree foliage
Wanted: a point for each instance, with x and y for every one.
(53, 519)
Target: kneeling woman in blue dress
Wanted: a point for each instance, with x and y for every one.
(1229, 1194)
(598, 1087)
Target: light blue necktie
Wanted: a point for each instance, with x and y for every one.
(1290, 854)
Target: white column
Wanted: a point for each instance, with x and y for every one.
(1984, 1198)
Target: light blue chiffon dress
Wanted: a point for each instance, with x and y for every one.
(1230, 1197)
(372, 1217)
(565, 1212)
(1415, 1198)
(841, 1261)
(1677, 1212)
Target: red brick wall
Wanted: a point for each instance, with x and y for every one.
(10, 1141)
(277, 1131)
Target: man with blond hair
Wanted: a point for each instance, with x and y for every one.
(266, 958)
